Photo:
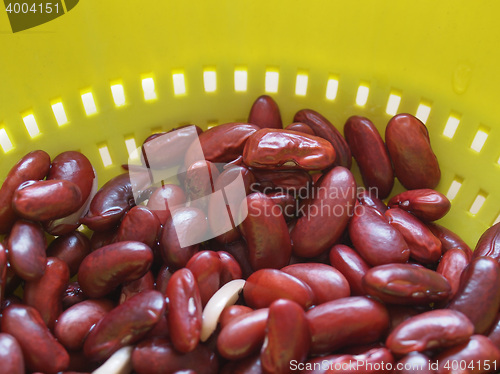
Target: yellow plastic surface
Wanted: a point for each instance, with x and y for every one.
(442, 54)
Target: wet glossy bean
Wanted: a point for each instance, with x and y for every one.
(99, 239)
(324, 129)
(351, 265)
(162, 279)
(46, 200)
(45, 294)
(268, 285)
(265, 232)
(248, 365)
(11, 355)
(3, 271)
(185, 311)
(451, 266)
(431, 330)
(294, 182)
(489, 243)
(400, 313)
(72, 295)
(158, 356)
(326, 216)
(286, 202)
(243, 336)
(300, 127)
(426, 204)
(26, 245)
(406, 284)
(239, 251)
(33, 166)
(415, 164)
(232, 312)
(287, 337)
(424, 246)
(200, 180)
(106, 268)
(449, 239)
(477, 352)
(414, 363)
(326, 282)
(41, 351)
(230, 267)
(185, 225)
(132, 288)
(479, 286)
(141, 225)
(75, 323)
(265, 113)
(375, 239)
(127, 324)
(72, 248)
(284, 149)
(370, 152)
(164, 197)
(369, 198)
(119, 363)
(494, 332)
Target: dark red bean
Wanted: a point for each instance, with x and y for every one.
(230, 267)
(415, 164)
(185, 311)
(11, 355)
(127, 324)
(375, 239)
(431, 330)
(230, 174)
(265, 113)
(268, 285)
(200, 180)
(324, 129)
(100, 239)
(41, 351)
(400, 313)
(326, 282)
(351, 265)
(141, 225)
(414, 363)
(294, 182)
(72, 248)
(3, 271)
(239, 251)
(206, 268)
(33, 166)
(451, 266)
(300, 127)
(232, 312)
(370, 152)
(162, 279)
(479, 294)
(369, 198)
(72, 295)
(248, 365)
(75, 323)
(168, 195)
(449, 239)
(489, 243)
(426, 204)
(286, 202)
(106, 268)
(132, 288)
(26, 245)
(406, 284)
(327, 215)
(494, 333)
(344, 322)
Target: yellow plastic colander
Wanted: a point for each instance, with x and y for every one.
(102, 77)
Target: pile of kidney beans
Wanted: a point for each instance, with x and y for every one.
(333, 281)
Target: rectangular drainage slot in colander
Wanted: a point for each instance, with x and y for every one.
(272, 81)
(454, 188)
(59, 113)
(118, 94)
(393, 103)
(89, 103)
(478, 202)
(451, 126)
(362, 94)
(5, 142)
(31, 126)
(179, 83)
(240, 79)
(301, 84)
(148, 86)
(332, 87)
(423, 112)
(210, 80)
(105, 156)
(479, 139)
(131, 148)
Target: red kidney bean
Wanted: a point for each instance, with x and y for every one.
(79, 364)
(494, 333)
(189, 224)
(424, 246)
(163, 197)
(489, 243)
(326, 282)
(286, 202)
(400, 313)
(415, 164)
(479, 286)
(185, 311)
(300, 127)
(45, 294)
(71, 248)
(110, 204)
(12, 280)
(284, 149)
(233, 312)
(206, 268)
(3, 271)
(127, 324)
(449, 239)
(451, 266)
(160, 329)
(344, 322)
(74, 324)
(33, 166)
(223, 143)
(139, 224)
(478, 353)
(230, 174)
(41, 351)
(406, 284)
(200, 179)
(327, 214)
(375, 239)
(158, 356)
(230, 267)
(431, 330)
(369, 198)
(100, 239)
(265, 113)
(370, 152)
(293, 182)
(243, 336)
(106, 268)
(162, 279)
(26, 245)
(426, 204)
(11, 355)
(248, 365)
(46, 200)
(239, 251)
(267, 285)
(287, 336)
(414, 363)
(72, 295)
(265, 232)
(129, 289)
(324, 129)
(351, 265)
